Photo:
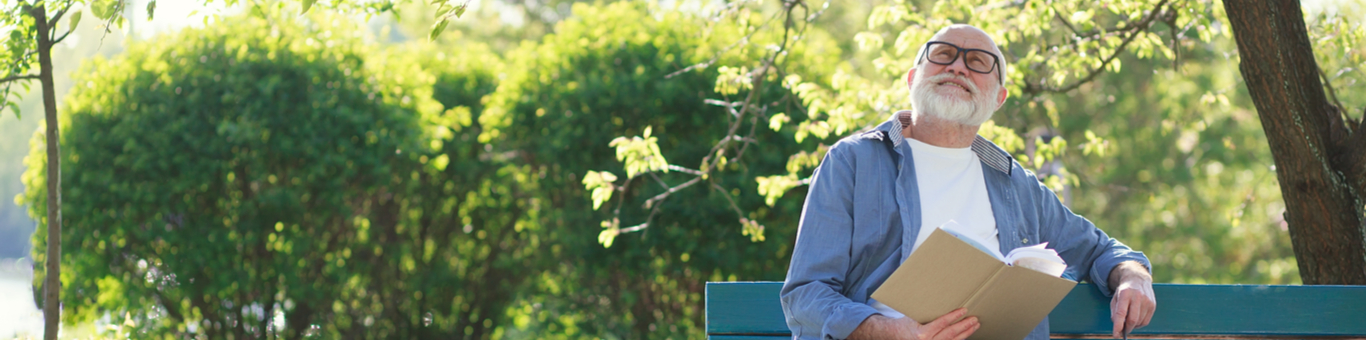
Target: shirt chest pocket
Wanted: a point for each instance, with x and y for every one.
(1015, 228)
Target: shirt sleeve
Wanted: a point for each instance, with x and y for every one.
(812, 297)
(1089, 252)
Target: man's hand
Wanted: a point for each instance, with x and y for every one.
(947, 327)
(1134, 302)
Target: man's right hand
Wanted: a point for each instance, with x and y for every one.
(947, 327)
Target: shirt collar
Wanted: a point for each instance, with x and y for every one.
(992, 155)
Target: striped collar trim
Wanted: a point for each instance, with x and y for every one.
(988, 152)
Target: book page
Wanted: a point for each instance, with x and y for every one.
(953, 229)
(1038, 257)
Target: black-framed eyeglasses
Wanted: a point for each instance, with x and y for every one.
(977, 60)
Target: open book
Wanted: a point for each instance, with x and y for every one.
(1037, 257)
(948, 272)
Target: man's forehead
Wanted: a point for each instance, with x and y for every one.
(965, 36)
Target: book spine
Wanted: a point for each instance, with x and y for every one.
(981, 287)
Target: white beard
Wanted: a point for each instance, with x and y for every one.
(970, 112)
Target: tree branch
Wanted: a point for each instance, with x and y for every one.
(654, 205)
(756, 86)
(18, 77)
(717, 56)
(654, 201)
(655, 176)
(725, 194)
(56, 17)
(753, 127)
(1176, 41)
(637, 227)
(748, 106)
(1332, 94)
(63, 37)
(118, 8)
(1058, 15)
(616, 212)
(684, 170)
(1135, 31)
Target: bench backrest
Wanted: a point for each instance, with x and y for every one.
(751, 310)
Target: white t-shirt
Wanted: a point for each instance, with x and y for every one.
(951, 189)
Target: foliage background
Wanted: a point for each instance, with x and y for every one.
(484, 227)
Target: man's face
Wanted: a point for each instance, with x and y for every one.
(955, 91)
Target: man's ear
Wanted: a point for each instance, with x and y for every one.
(910, 78)
(1001, 97)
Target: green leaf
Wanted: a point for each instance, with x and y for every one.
(101, 9)
(609, 233)
(76, 18)
(777, 121)
(460, 10)
(307, 5)
(443, 9)
(111, 8)
(600, 182)
(774, 187)
(437, 28)
(151, 8)
(753, 229)
(1081, 17)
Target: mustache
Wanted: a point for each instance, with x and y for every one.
(943, 77)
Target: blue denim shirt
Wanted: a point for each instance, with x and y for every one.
(862, 213)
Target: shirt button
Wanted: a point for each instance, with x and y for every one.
(1024, 240)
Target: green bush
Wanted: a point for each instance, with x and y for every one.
(221, 175)
(466, 235)
(603, 74)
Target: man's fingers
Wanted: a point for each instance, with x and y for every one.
(1145, 317)
(944, 321)
(1149, 309)
(1133, 305)
(968, 333)
(960, 330)
(1135, 315)
(1118, 313)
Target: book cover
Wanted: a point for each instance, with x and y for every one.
(946, 273)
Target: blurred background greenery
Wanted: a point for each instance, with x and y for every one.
(270, 174)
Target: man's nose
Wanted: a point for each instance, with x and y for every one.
(959, 66)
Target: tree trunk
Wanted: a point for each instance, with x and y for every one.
(52, 283)
(1318, 158)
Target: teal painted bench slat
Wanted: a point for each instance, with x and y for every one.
(751, 310)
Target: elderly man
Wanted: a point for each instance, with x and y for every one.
(877, 195)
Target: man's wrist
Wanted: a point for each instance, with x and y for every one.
(1127, 271)
(870, 328)
(876, 326)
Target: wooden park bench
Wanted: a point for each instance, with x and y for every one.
(751, 311)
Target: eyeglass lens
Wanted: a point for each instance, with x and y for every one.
(977, 60)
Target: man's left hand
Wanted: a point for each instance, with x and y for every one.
(1134, 302)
